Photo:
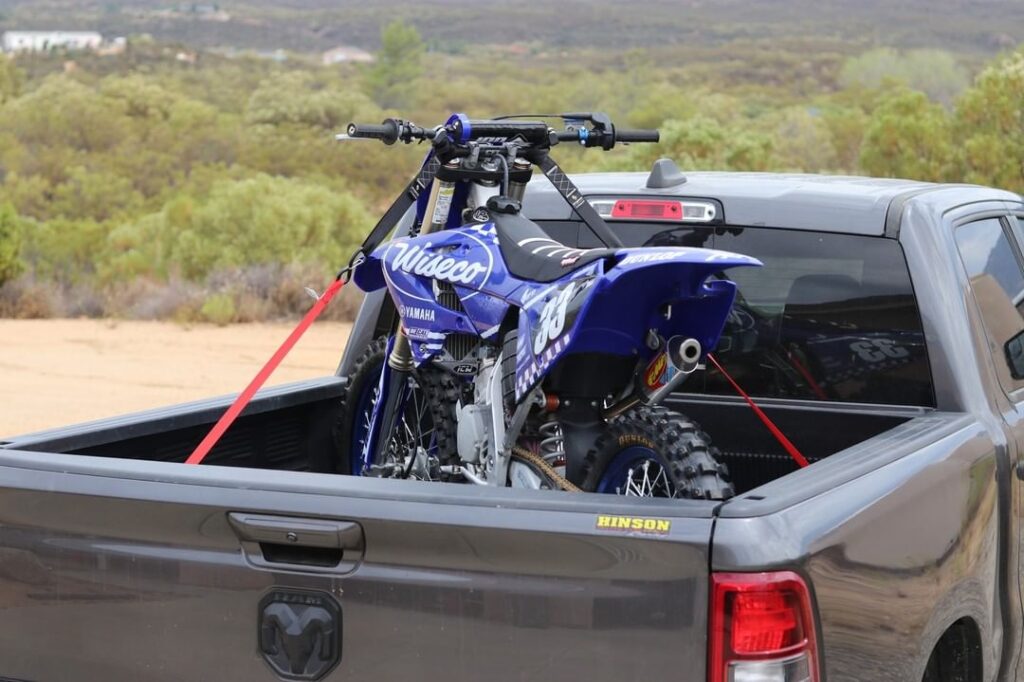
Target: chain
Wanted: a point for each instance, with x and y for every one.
(545, 468)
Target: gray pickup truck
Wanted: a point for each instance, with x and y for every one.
(883, 337)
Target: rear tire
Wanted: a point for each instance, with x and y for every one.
(655, 452)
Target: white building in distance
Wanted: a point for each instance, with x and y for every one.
(41, 41)
(344, 53)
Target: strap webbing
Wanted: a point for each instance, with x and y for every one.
(372, 241)
(571, 193)
(228, 418)
(765, 419)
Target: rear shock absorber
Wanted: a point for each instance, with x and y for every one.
(552, 443)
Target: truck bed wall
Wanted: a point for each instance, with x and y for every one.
(291, 429)
(753, 455)
(286, 428)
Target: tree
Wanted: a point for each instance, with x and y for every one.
(10, 79)
(934, 72)
(846, 125)
(803, 142)
(265, 220)
(296, 97)
(990, 124)
(702, 143)
(908, 136)
(10, 243)
(399, 64)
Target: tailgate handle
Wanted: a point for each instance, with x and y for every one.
(285, 542)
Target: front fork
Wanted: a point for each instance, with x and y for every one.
(393, 392)
(394, 377)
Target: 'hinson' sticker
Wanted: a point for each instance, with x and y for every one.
(633, 524)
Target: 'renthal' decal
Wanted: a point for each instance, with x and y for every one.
(422, 262)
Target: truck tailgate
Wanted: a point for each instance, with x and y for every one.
(114, 569)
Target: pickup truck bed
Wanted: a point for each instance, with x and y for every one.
(290, 429)
(118, 563)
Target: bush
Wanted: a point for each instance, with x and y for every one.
(908, 136)
(10, 243)
(218, 309)
(27, 299)
(267, 220)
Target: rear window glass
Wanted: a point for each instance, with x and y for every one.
(829, 317)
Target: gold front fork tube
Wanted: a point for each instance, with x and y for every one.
(435, 217)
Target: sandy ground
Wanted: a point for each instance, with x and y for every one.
(57, 372)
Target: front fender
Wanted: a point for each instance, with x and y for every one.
(369, 275)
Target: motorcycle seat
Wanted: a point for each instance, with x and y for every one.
(530, 254)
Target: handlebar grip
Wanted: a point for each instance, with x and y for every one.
(637, 135)
(387, 132)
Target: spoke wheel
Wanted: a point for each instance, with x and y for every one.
(424, 436)
(654, 452)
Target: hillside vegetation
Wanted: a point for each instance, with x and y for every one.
(172, 181)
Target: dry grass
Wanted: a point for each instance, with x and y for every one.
(258, 293)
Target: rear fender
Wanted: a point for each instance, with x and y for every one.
(610, 311)
(667, 290)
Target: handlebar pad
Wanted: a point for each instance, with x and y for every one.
(636, 135)
(531, 131)
(387, 132)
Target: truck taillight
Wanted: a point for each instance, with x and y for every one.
(761, 629)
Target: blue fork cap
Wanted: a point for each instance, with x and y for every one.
(461, 126)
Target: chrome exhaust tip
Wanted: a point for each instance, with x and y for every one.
(667, 371)
(684, 353)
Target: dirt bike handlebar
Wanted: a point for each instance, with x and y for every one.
(461, 130)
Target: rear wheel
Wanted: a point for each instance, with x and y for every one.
(654, 452)
(425, 428)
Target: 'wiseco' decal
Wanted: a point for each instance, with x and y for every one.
(418, 261)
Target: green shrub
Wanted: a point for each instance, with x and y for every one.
(10, 243)
(218, 309)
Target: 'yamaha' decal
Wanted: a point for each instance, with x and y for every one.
(411, 313)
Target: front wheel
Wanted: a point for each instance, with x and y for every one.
(424, 436)
(655, 452)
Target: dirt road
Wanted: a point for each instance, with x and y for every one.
(56, 372)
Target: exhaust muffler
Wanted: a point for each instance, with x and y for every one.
(669, 369)
(679, 357)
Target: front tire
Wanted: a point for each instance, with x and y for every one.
(428, 421)
(655, 452)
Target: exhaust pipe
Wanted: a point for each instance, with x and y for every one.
(679, 358)
(669, 369)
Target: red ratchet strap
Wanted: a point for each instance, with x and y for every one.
(779, 435)
(261, 377)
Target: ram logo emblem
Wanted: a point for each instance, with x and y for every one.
(300, 633)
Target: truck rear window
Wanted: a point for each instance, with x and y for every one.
(829, 317)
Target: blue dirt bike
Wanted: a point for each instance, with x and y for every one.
(516, 360)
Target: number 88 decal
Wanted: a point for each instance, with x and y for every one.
(878, 350)
(554, 314)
